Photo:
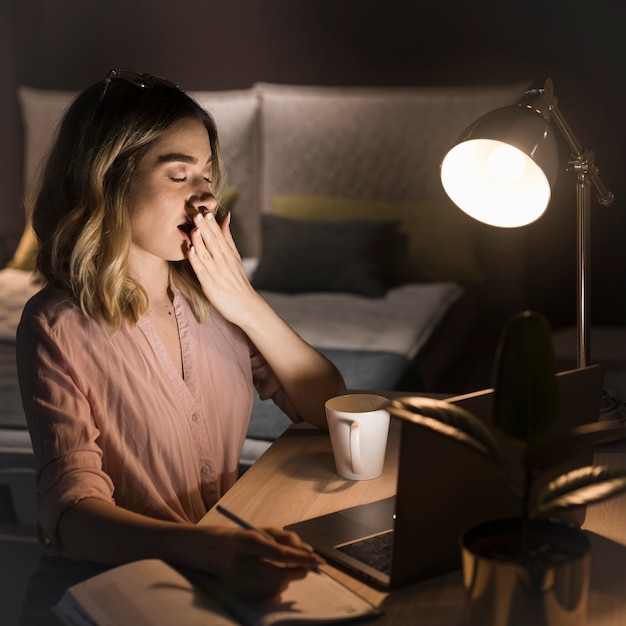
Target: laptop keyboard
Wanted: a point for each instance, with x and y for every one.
(373, 551)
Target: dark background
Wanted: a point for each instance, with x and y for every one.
(230, 44)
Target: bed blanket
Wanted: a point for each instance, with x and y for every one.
(400, 322)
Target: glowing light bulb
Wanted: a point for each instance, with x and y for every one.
(506, 163)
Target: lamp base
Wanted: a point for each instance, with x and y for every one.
(608, 348)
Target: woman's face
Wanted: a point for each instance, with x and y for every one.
(171, 184)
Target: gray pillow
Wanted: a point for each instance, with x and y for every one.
(306, 255)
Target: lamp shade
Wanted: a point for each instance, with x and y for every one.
(502, 169)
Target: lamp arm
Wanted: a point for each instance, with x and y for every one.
(582, 161)
(566, 131)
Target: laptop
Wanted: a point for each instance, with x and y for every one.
(443, 488)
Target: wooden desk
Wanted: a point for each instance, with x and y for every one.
(295, 480)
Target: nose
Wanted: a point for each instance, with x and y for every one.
(202, 202)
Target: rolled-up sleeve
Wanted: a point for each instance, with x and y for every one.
(61, 425)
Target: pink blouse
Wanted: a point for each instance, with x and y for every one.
(111, 418)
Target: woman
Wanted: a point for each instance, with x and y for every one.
(137, 359)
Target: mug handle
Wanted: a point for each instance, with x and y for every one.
(355, 449)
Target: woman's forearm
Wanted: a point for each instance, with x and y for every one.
(307, 376)
(94, 530)
(248, 561)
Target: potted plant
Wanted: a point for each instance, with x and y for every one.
(533, 569)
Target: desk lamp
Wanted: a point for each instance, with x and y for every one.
(502, 170)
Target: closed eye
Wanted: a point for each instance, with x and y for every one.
(183, 179)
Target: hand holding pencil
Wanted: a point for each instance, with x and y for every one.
(280, 538)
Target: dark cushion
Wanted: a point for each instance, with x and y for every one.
(311, 255)
(436, 240)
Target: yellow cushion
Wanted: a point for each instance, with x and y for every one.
(25, 255)
(439, 238)
(228, 198)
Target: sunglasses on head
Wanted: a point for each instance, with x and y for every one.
(138, 79)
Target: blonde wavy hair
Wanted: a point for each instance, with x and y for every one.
(80, 212)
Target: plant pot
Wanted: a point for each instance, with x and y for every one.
(550, 587)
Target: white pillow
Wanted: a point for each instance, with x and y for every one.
(42, 110)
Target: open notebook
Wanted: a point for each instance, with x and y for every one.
(151, 593)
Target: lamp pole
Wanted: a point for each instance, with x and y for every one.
(583, 223)
(583, 164)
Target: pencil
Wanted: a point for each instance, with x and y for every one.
(241, 522)
(247, 526)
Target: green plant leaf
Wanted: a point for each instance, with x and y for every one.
(526, 396)
(450, 420)
(581, 486)
(557, 449)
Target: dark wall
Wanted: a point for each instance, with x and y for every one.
(207, 44)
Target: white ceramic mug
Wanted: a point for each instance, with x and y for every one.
(358, 424)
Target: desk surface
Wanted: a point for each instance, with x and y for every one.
(296, 480)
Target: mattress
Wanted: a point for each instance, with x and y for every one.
(399, 323)
(16, 287)
(11, 415)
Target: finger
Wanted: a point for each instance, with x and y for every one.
(228, 235)
(289, 538)
(205, 237)
(224, 222)
(224, 225)
(268, 548)
(204, 224)
(215, 238)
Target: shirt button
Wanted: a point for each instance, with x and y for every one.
(195, 417)
(206, 469)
